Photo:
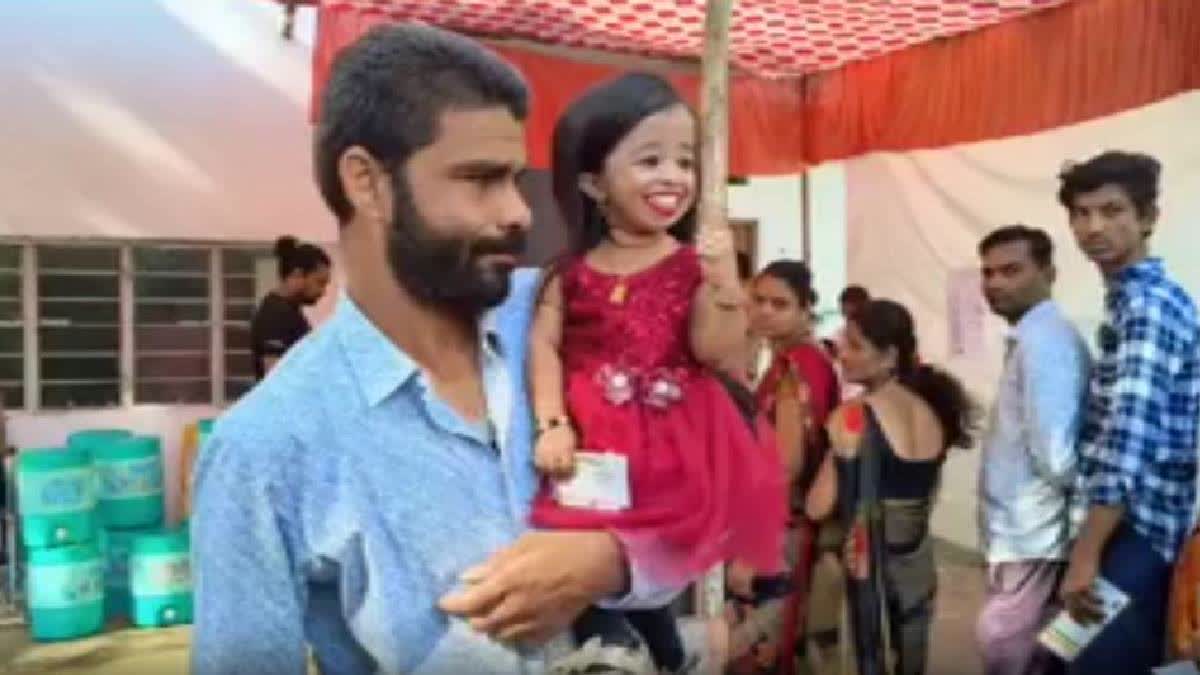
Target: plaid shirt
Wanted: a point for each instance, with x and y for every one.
(1138, 442)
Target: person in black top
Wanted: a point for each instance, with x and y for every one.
(279, 323)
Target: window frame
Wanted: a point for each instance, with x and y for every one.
(127, 275)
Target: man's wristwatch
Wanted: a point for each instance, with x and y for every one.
(550, 424)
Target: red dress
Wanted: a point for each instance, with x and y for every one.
(703, 488)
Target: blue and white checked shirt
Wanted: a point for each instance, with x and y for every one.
(342, 498)
(1139, 439)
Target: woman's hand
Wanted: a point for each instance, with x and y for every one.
(554, 453)
(856, 553)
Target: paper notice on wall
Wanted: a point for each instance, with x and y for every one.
(967, 311)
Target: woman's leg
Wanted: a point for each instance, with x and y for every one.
(608, 625)
(661, 633)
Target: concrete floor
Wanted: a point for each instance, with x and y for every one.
(164, 652)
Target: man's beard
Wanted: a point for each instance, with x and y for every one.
(442, 271)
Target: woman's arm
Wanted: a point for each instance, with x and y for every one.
(719, 320)
(554, 450)
(822, 496)
(791, 427)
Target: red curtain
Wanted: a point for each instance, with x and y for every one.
(1086, 59)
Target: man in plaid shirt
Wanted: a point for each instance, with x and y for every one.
(1139, 439)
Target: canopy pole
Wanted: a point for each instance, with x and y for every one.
(711, 215)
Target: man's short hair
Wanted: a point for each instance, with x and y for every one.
(1041, 247)
(1135, 173)
(854, 295)
(387, 91)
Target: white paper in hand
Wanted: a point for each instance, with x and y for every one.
(600, 482)
(1067, 638)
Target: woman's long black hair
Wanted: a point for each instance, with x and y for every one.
(885, 324)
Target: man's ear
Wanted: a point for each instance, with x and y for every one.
(365, 183)
(1149, 220)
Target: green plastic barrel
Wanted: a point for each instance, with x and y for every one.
(92, 438)
(204, 430)
(56, 497)
(131, 482)
(160, 580)
(65, 592)
(116, 546)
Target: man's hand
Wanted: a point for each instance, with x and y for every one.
(533, 590)
(1076, 590)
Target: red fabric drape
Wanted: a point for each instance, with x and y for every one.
(1084, 60)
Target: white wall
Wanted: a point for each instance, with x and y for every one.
(169, 119)
(775, 202)
(163, 119)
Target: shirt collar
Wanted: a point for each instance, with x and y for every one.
(1032, 316)
(379, 366)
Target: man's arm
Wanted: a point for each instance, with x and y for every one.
(1133, 429)
(249, 598)
(1055, 369)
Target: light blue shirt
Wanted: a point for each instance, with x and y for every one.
(1030, 450)
(340, 499)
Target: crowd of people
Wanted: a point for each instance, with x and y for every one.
(474, 468)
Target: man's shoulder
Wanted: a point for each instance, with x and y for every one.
(289, 403)
(272, 305)
(514, 315)
(1166, 302)
(1053, 331)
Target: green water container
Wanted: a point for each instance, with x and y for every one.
(56, 497)
(130, 472)
(92, 438)
(116, 546)
(160, 580)
(65, 592)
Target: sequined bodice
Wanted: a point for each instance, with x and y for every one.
(637, 322)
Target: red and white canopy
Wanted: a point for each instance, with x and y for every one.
(816, 80)
(769, 38)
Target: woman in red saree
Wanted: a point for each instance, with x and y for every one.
(798, 392)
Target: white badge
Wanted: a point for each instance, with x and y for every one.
(600, 482)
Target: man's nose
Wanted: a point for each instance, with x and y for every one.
(515, 213)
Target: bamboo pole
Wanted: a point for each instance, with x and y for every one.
(714, 116)
(711, 211)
